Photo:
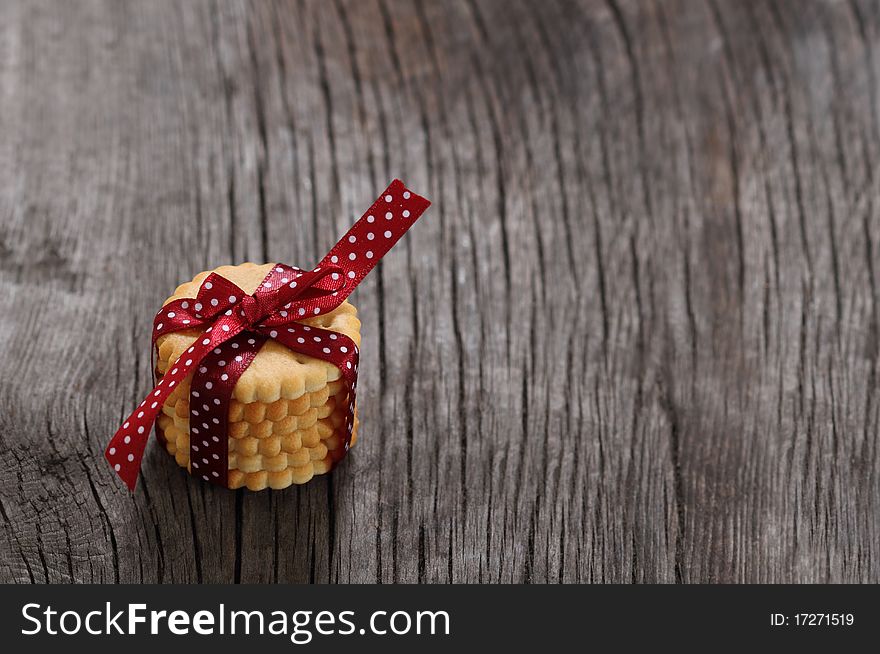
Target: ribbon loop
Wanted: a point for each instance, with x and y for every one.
(318, 289)
(216, 295)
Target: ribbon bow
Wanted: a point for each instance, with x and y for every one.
(237, 324)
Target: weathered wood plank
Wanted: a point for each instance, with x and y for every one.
(633, 340)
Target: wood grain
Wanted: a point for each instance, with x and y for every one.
(634, 339)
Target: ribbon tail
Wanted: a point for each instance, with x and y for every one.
(371, 237)
(126, 449)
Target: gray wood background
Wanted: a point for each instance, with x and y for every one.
(634, 340)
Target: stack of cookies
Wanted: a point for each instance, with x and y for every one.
(287, 412)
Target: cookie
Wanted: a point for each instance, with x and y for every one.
(287, 412)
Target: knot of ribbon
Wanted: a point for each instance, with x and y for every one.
(237, 324)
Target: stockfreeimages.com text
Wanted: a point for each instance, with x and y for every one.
(300, 626)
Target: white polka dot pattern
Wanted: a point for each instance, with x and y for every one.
(209, 397)
(237, 325)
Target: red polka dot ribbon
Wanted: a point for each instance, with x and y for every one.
(236, 326)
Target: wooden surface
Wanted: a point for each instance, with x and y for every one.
(634, 340)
